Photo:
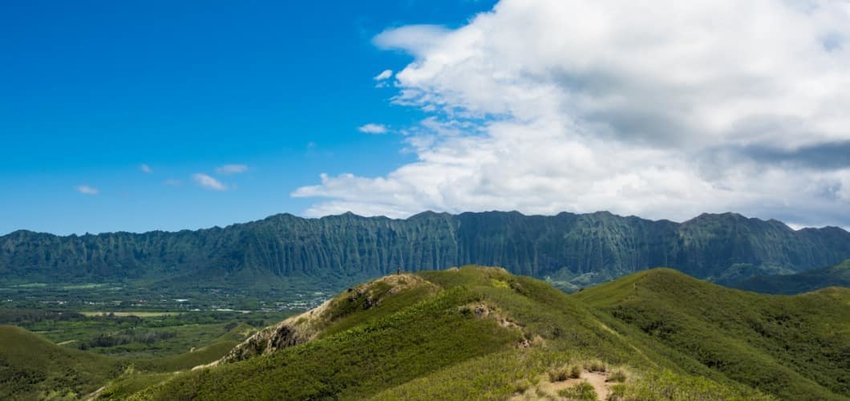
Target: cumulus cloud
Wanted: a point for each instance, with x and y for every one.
(208, 182)
(383, 79)
(232, 169)
(87, 190)
(145, 168)
(384, 75)
(374, 129)
(662, 108)
(415, 39)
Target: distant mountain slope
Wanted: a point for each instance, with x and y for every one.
(32, 368)
(794, 347)
(462, 334)
(835, 276)
(575, 250)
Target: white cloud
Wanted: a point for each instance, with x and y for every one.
(87, 190)
(207, 182)
(660, 108)
(232, 169)
(145, 168)
(374, 129)
(384, 75)
(416, 39)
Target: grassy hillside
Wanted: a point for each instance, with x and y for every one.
(34, 368)
(470, 333)
(482, 333)
(797, 348)
(835, 276)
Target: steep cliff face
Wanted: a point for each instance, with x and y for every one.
(602, 244)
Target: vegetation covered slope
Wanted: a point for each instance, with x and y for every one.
(32, 368)
(483, 333)
(461, 334)
(835, 276)
(797, 348)
(574, 249)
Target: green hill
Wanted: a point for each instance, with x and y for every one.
(461, 334)
(479, 333)
(835, 276)
(797, 348)
(33, 368)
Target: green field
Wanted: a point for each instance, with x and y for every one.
(141, 296)
(833, 276)
(141, 314)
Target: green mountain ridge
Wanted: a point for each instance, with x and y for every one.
(483, 333)
(573, 250)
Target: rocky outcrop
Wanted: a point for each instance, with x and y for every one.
(309, 325)
(292, 331)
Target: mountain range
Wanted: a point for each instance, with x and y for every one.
(571, 250)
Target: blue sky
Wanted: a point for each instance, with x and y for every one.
(136, 116)
(90, 91)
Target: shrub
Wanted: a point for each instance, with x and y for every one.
(522, 386)
(617, 376)
(575, 372)
(559, 374)
(580, 392)
(618, 393)
(595, 366)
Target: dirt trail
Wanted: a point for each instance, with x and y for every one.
(95, 394)
(598, 381)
